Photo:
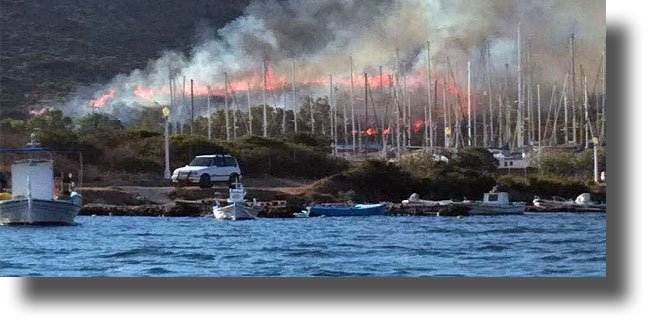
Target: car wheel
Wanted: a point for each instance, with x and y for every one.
(205, 182)
(234, 178)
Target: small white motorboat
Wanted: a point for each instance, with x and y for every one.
(302, 214)
(236, 209)
(496, 204)
(414, 200)
(32, 198)
(583, 201)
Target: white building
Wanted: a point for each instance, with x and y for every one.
(512, 161)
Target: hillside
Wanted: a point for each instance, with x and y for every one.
(48, 48)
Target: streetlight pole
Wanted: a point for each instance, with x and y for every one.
(167, 166)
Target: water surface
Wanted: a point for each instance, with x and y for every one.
(542, 245)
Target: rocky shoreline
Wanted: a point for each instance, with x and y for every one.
(195, 202)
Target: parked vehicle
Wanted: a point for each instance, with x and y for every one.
(208, 170)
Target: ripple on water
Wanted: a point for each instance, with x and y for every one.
(547, 245)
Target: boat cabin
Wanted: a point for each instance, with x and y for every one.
(496, 198)
(32, 178)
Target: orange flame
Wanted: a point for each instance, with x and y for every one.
(417, 125)
(99, 102)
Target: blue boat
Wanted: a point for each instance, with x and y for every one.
(343, 211)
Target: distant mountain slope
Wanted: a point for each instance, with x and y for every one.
(47, 48)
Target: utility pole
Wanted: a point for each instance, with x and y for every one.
(264, 107)
(167, 166)
(171, 93)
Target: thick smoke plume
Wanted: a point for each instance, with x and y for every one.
(321, 35)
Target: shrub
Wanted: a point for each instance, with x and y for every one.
(477, 159)
(568, 164)
(373, 181)
(525, 189)
(137, 165)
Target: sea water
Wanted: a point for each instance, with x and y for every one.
(530, 245)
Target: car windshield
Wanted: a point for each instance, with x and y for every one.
(201, 162)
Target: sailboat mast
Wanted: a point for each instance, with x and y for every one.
(520, 121)
(428, 90)
(446, 112)
(209, 116)
(572, 50)
(191, 123)
(225, 103)
(333, 117)
(311, 103)
(264, 106)
(352, 104)
(469, 129)
(294, 94)
(250, 109)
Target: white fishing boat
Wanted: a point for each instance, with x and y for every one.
(236, 209)
(496, 204)
(32, 199)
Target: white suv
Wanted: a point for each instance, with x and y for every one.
(206, 170)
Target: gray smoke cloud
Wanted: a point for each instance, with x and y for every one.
(321, 35)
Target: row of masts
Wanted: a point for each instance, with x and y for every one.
(515, 124)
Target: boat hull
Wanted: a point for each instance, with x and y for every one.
(358, 210)
(495, 209)
(36, 211)
(235, 211)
